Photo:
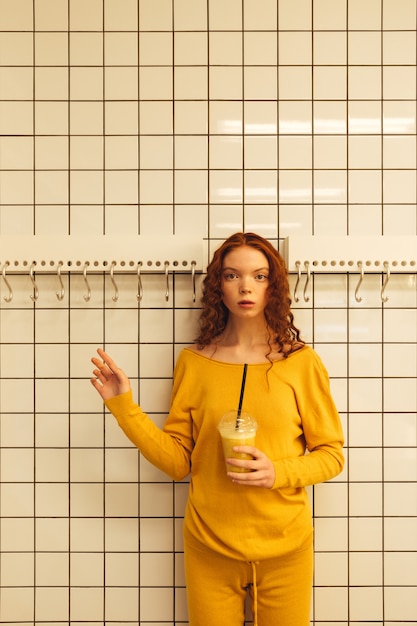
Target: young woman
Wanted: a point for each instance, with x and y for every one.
(243, 532)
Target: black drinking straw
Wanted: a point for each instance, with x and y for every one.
(242, 391)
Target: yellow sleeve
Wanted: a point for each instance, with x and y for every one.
(322, 431)
(168, 451)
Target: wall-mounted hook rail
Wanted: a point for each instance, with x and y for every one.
(87, 295)
(350, 254)
(115, 287)
(139, 294)
(9, 296)
(80, 254)
(384, 298)
(34, 297)
(61, 293)
(358, 298)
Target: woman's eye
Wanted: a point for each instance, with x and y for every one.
(230, 276)
(261, 277)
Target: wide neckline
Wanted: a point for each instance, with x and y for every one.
(262, 364)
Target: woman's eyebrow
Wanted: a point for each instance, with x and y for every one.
(234, 269)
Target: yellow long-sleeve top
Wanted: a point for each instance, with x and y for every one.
(292, 404)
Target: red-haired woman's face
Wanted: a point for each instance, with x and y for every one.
(245, 282)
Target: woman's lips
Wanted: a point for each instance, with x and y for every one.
(246, 304)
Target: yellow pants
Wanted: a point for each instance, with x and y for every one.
(217, 587)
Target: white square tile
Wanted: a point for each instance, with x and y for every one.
(399, 117)
(122, 535)
(364, 117)
(52, 569)
(261, 186)
(365, 569)
(225, 18)
(86, 465)
(367, 603)
(330, 187)
(87, 534)
(328, 16)
(398, 186)
(365, 394)
(365, 429)
(17, 535)
(329, 83)
(400, 533)
(261, 219)
(365, 534)
(155, 48)
(225, 48)
(400, 394)
(294, 17)
(51, 603)
(400, 603)
(51, 500)
(51, 430)
(191, 187)
(156, 570)
(365, 359)
(330, 569)
(330, 500)
(87, 603)
(399, 82)
(400, 429)
(51, 465)
(190, 83)
(156, 500)
(400, 464)
(87, 500)
(84, 48)
(365, 464)
(330, 534)
(365, 499)
(294, 83)
(190, 48)
(17, 466)
(400, 499)
(260, 83)
(260, 48)
(225, 83)
(295, 152)
(122, 569)
(331, 603)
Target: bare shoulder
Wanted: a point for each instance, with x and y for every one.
(207, 351)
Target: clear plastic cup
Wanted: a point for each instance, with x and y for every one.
(237, 431)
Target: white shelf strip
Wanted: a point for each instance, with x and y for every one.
(351, 254)
(125, 252)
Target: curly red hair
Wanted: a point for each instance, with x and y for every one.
(279, 317)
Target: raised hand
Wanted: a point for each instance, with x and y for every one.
(109, 379)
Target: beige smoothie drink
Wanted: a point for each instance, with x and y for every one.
(237, 431)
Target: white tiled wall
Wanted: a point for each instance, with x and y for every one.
(199, 118)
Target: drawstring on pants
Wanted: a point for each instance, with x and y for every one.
(255, 593)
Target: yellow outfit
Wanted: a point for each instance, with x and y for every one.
(291, 402)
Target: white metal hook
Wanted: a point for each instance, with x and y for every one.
(384, 298)
(166, 281)
(357, 297)
(139, 294)
(35, 294)
(87, 296)
(9, 297)
(298, 266)
(61, 293)
(193, 264)
(307, 266)
(116, 289)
